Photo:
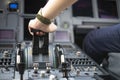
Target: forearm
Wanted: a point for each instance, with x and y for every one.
(54, 7)
(48, 12)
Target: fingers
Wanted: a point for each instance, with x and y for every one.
(40, 33)
(29, 28)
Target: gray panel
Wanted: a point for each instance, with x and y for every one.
(2, 20)
(12, 20)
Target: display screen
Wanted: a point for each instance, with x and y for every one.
(62, 36)
(107, 9)
(33, 6)
(13, 5)
(7, 34)
(82, 8)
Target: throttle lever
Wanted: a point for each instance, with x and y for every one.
(38, 41)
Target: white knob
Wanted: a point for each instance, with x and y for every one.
(42, 73)
(62, 59)
(52, 77)
(78, 53)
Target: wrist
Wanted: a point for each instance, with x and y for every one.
(43, 19)
(39, 23)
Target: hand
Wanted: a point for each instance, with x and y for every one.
(36, 24)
